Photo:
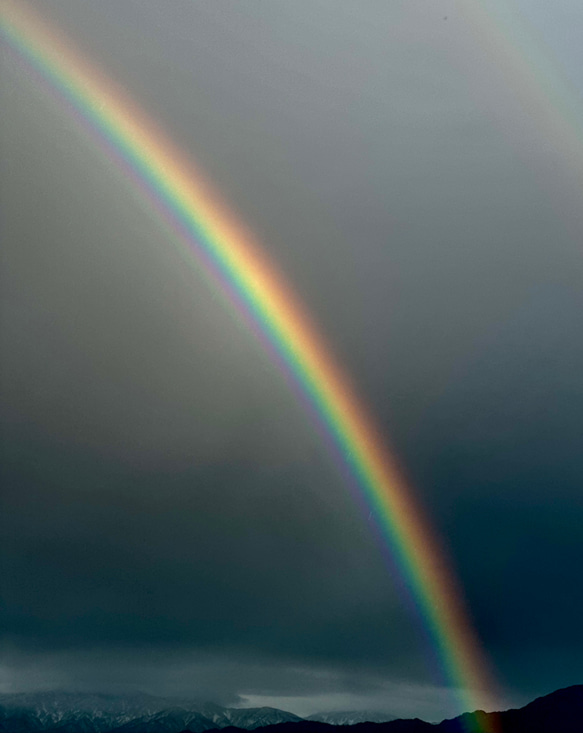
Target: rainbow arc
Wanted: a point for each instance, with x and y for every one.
(215, 240)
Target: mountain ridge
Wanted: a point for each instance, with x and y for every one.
(51, 712)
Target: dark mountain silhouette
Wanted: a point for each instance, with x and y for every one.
(559, 712)
(309, 726)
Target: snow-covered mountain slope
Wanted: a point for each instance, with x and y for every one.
(251, 718)
(169, 721)
(72, 711)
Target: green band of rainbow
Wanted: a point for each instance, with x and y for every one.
(186, 203)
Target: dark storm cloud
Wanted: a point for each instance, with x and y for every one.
(171, 518)
(224, 555)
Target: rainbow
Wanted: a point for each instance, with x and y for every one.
(221, 244)
(551, 105)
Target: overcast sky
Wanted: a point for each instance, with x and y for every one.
(171, 520)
